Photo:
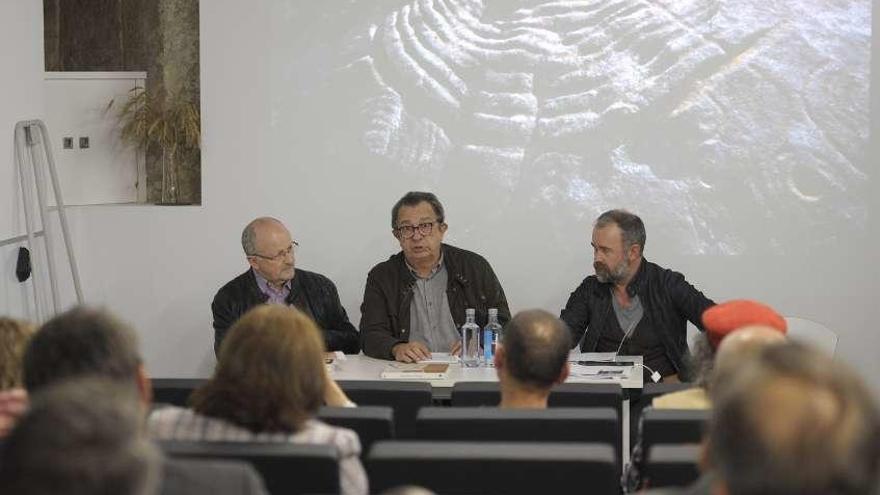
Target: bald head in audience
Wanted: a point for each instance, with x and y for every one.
(532, 358)
(792, 421)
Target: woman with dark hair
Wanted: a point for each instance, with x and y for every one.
(269, 382)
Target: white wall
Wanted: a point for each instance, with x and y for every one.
(77, 106)
(21, 98)
(160, 266)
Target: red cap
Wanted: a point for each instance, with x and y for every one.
(721, 319)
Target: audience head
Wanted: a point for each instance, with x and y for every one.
(270, 372)
(722, 321)
(269, 249)
(80, 437)
(84, 341)
(534, 351)
(14, 336)
(792, 421)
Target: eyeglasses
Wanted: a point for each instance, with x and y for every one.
(281, 255)
(407, 231)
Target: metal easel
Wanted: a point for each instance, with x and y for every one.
(31, 144)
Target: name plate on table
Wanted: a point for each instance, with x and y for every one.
(602, 370)
(416, 371)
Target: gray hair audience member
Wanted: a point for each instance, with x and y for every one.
(794, 422)
(80, 437)
(750, 324)
(86, 342)
(532, 358)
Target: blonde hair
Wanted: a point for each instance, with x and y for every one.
(270, 372)
(14, 336)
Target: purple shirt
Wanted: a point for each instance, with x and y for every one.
(276, 296)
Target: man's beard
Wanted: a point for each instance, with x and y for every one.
(605, 275)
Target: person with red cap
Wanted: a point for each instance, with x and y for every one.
(736, 331)
(744, 327)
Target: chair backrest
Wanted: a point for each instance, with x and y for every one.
(174, 391)
(673, 426)
(495, 467)
(812, 332)
(286, 468)
(672, 465)
(404, 397)
(371, 423)
(470, 394)
(563, 424)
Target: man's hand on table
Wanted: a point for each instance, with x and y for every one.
(411, 352)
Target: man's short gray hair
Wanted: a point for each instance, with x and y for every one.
(631, 227)
(81, 437)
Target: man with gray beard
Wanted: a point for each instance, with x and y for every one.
(632, 306)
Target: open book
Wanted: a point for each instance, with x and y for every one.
(417, 371)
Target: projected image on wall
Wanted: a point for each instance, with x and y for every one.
(734, 126)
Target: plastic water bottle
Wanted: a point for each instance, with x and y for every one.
(470, 340)
(491, 337)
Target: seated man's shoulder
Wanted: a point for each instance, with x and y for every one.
(235, 286)
(313, 277)
(391, 265)
(692, 398)
(464, 256)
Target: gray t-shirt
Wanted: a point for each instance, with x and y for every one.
(430, 317)
(630, 316)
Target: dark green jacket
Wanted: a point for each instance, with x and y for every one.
(385, 312)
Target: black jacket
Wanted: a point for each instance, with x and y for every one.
(669, 302)
(310, 292)
(385, 312)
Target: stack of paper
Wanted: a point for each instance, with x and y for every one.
(416, 371)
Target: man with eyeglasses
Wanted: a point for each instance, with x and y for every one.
(273, 278)
(415, 301)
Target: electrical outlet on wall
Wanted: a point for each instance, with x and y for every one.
(84, 143)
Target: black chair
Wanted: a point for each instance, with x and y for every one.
(470, 394)
(495, 467)
(563, 424)
(286, 468)
(640, 399)
(404, 397)
(673, 426)
(174, 391)
(371, 423)
(672, 465)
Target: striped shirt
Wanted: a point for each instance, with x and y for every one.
(177, 423)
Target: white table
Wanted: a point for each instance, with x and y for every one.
(361, 367)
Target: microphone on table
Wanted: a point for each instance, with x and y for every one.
(654, 375)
